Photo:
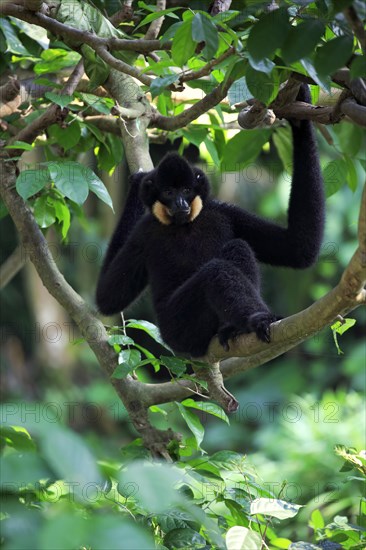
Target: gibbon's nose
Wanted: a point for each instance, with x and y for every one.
(180, 206)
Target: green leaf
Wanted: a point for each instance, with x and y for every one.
(120, 339)
(263, 65)
(183, 46)
(340, 327)
(335, 175)
(151, 329)
(207, 407)
(159, 84)
(96, 69)
(323, 81)
(264, 87)
(128, 360)
(195, 134)
(268, 34)
(44, 212)
(280, 542)
(241, 538)
(97, 187)
(34, 32)
(302, 40)
(145, 482)
(101, 104)
(352, 178)
(243, 149)
(66, 59)
(20, 145)
(156, 15)
(62, 214)
(211, 148)
(333, 55)
(358, 67)
(275, 508)
(70, 530)
(71, 179)
(176, 365)
(17, 437)
(70, 458)
(239, 92)
(61, 100)
(203, 30)
(350, 138)
(282, 139)
(13, 43)
(193, 423)
(30, 182)
(20, 469)
(184, 538)
(66, 137)
(317, 520)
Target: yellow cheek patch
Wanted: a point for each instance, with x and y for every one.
(161, 213)
(196, 207)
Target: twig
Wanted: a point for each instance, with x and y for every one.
(356, 26)
(53, 114)
(12, 265)
(155, 27)
(219, 6)
(206, 70)
(121, 66)
(179, 121)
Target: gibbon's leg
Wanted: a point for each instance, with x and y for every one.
(218, 298)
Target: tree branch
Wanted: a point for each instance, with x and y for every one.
(81, 37)
(356, 26)
(219, 6)
(205, 104)
(12, 265)
(206, 70)
(52, 115)
(155, 27)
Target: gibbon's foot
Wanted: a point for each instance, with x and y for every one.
(260, 324)
(230, 332)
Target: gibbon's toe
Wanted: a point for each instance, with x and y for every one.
(260, 323)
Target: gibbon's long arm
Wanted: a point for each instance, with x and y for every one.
(123, 267)
(297, 245)
(132, 212)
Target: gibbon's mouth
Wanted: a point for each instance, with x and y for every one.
(180, 216)
(185, 212)
(166, 216)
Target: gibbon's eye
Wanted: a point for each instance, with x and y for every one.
(198, 176)
(168, 193)
(186, 191)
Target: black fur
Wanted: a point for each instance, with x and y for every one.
(204, 274)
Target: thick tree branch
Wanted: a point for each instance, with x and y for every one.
(82, 37)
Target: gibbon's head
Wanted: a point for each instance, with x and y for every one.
(175, 191)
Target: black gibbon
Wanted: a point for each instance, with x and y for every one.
(200, 255)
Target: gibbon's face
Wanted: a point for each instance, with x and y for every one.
(175, 191)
